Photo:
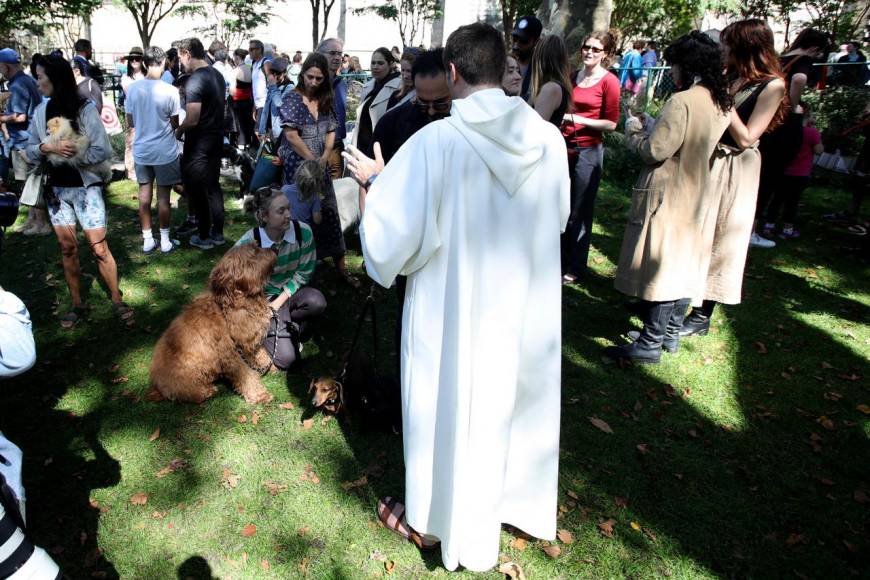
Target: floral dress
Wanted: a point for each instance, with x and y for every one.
(294, 114)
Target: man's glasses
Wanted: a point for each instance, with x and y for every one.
(333, 53)
(440, 106)
(594, 49)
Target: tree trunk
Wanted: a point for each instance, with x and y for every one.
(574, 19)
(341, 19)
(315, 23)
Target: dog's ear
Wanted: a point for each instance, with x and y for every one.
(340, 388)
(313, 383)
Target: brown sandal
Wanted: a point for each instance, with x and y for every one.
(391, 513)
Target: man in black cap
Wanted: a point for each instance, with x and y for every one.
(525, 35)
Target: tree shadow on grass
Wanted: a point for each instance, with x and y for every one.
(744, 498)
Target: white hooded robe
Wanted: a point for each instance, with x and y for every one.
(471, 209)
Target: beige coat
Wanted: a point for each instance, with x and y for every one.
(663, 255)
(379, 103)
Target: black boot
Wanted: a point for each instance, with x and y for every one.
(671, 343)
(647, 349)
(697, 323)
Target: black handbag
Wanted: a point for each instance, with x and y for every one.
(8, 209)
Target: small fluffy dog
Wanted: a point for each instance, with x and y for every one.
(60, 129)
(219, 334)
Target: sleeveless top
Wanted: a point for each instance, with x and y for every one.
(243, 91)
(556, 117)
(744, 101)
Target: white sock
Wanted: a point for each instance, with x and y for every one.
(165, 244)
(148, 244)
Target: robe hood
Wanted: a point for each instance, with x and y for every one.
(504, 131)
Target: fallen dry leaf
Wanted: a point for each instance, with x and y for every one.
(565, 537)
(642, 448)
(287, 406)
(826, 423)
(512, 570)
(119, 380)
(620, 501)
(606, 527)
(389, 566)
(572, 495)
(255, 418)
(274, 488)
(249, 530)
(303, 564)
(860, 496)
(303, 531)
(553, 551)
(349, 485)
(761, 348)
(264, 564)
(794, 539)
(518, 544)
(600, 424)
(635, 526)
(307, 424)
(864, 408)
(229, 479)
(114, 368)
(140, 498)
(242, 419)
(153, 437)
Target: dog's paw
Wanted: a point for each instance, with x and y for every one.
(259, 397)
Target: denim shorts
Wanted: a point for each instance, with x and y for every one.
(66, 204)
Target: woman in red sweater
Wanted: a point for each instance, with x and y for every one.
(596, 110)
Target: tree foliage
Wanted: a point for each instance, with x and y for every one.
(230, 21)
(659, 20)
(16, 14)
(412, 16)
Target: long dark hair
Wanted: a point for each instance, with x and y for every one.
(65, 96)
(324, 91)
(700, 58)
(753, 58)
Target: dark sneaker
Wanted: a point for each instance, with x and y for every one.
(217, 239)
(187, 228)
(198, 242)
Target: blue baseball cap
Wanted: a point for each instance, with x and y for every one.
(9, 56)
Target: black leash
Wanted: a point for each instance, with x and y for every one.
(368, 306)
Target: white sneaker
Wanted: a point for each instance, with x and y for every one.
(757, 241)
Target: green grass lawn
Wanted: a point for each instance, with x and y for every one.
(746, 454)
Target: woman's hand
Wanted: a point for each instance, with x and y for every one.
(363, 168)
(65, 148)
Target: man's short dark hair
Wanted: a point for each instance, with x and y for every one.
(256, 44)
(154, 56)
(220, 55)
(474, 49)
(428, 64)
(215, 46)
(82, 45)
(193, 46)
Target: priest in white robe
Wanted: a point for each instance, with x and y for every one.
(470, 209)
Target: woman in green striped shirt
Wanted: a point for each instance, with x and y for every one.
(293, 302)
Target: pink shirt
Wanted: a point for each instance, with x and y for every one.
(802, 164)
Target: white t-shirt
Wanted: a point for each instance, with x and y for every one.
(152, 103)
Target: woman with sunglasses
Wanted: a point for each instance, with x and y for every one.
(595, 104)
(135, 71)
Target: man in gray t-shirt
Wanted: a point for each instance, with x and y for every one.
(152, 107)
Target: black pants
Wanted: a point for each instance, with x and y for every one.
(786, 196)
(585, 179)
(778, 148)
(243, 115)
(201, 174)
(401, 286)
(307, 303)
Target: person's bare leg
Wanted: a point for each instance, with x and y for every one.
(145, 205)
(69, 251)
(105, 261)
(164, 215)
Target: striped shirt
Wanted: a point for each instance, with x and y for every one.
(295, 264)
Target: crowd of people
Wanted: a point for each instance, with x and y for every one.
(477, 172)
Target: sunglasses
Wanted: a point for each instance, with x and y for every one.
(136, 58)
(594, 49)
(440, 106)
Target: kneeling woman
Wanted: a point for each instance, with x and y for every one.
(662, 260)
(73, 191)
(293, 303)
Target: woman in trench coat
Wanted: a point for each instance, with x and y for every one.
(662, 260)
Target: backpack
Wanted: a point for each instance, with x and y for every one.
(97, 73)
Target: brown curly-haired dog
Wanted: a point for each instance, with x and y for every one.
(210, 337)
